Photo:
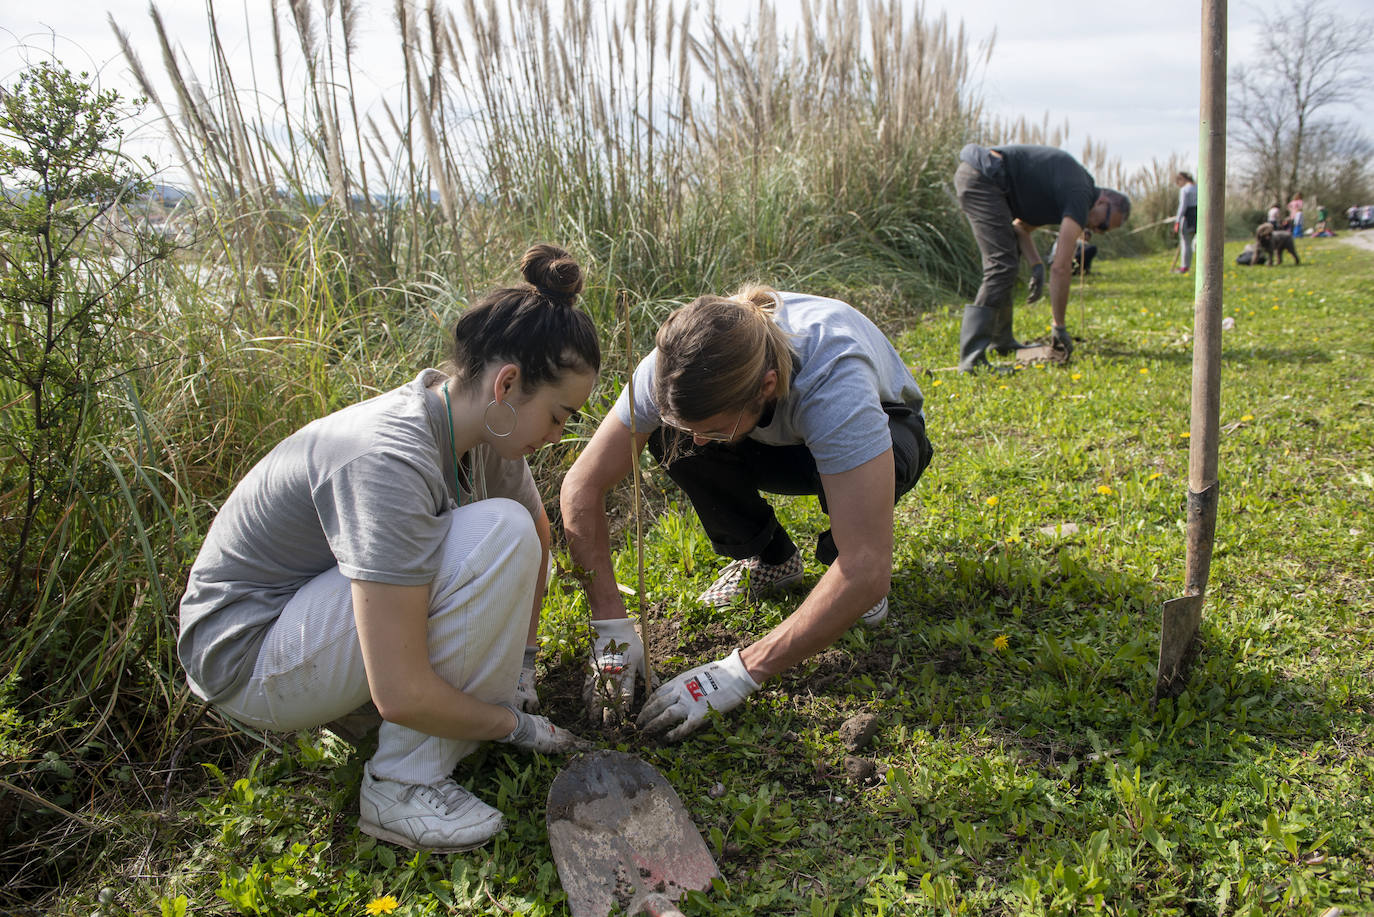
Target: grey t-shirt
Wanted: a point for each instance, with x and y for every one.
(368, 489)
(1046, 184)
(845, 370)
(1187, 208)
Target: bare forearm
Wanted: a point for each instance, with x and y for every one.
(437, 708)
(1060, 281)
(393, 633)
(589, 545)
(1025, 242)
(836, 602)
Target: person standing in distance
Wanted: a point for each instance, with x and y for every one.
(1295, 207)
(1185, 220)
(1006, 192)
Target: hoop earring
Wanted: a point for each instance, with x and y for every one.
(515, 418)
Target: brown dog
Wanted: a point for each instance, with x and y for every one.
(1275, 242)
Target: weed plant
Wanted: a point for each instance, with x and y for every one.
(1018, 767)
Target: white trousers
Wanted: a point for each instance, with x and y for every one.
(310, 669)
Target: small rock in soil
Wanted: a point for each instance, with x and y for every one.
(858, 731)
(858, 769)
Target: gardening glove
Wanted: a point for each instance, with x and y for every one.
(617, 655)
(1062, 340)
(526, 698)
(680, 705)
(536, 733)
(1036, 287)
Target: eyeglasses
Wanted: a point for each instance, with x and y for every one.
(1106, 224)
(709, 437)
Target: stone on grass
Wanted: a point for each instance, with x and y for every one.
(858, 769)
(858, 731)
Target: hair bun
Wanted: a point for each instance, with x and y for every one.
(553, 272)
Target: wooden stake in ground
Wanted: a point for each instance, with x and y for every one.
(1182, 616)
(646, 670)
(1082, 279)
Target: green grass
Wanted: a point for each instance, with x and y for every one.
(1030, 777)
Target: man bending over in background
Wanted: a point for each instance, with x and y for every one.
(1006, 192)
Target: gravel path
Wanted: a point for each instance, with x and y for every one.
(1360, 238)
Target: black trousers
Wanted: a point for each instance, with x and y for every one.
(983, 198)
(725, 481)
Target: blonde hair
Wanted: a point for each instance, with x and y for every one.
(714, 352)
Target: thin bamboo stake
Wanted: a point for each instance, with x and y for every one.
(646, 669)
(1082, 278)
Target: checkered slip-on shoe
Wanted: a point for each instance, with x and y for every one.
(751, 578)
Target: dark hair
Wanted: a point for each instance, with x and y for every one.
(1188, 178)
(536, 325)
(714, 352)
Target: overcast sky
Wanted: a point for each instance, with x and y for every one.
(1125, 74)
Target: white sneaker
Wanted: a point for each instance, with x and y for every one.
(875, 615)
(442, 818)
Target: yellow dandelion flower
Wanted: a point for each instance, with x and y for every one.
(1185, 435)
(1000, 642)
(1247, 417)
(383, 905)
(991, 501)
(937, 382)
(1004, 386)
(1275, 308)
(1104, 490)
(1156, 476)
(1076, 376)
(1144, 370)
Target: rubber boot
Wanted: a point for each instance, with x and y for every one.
(1004, 344)
(977, 331)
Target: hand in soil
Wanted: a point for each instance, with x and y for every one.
(617, 658)
(538, 733)
(680, 705)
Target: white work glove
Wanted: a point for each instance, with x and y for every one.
(526, 698)
(536, 733)
(680, 705)
(617, 657)
(1036, 288)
